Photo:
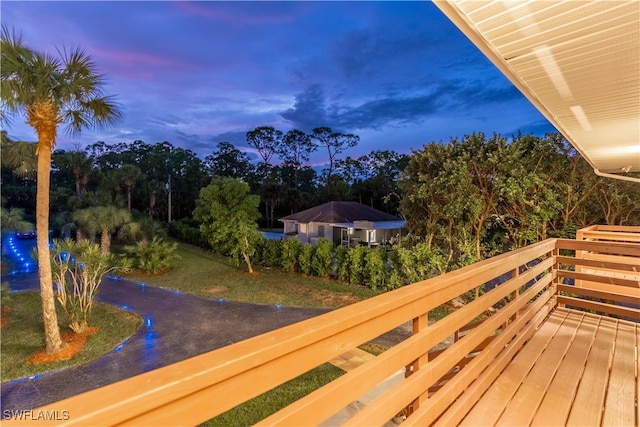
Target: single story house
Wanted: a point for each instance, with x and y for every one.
(344, 223)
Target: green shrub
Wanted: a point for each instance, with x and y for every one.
(376, 272)
(357, 265)
(322, 261)
(152, 256)
(415, 261)
(291, 249)
(77, 270)
(342, 263)
(271, 253)
(188, 231)
(306, 259)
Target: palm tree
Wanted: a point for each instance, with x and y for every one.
(79, 164)
(103, 220)
(50, 92)
(13, 219)
(128, 174)
(20, 156)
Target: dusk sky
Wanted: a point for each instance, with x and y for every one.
(397, 74)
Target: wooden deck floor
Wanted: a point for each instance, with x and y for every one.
(579, 369)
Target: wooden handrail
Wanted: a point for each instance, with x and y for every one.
(197, 389)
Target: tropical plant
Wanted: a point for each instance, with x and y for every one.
(152, 256)
(13, 219)
(103, 220)
(79, 164)
(20, 156)
(50, 92)
(228, 214)
(128, 174)
(78, 269)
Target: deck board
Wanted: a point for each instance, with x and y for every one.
(525, 402)
(555, 407)
(619, 408)
(589, 399)
(578, 369)
(485, 412)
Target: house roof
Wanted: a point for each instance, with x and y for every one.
(340, 212)
(577, 62)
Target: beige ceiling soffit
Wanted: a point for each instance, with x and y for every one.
(571, 115)
(614, 176)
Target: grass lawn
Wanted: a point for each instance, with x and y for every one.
(213, 276)
(23, 335)
(260, 407)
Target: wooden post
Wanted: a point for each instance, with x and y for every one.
(420, 323)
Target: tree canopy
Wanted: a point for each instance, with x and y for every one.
(227, 213)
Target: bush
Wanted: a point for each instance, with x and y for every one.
(342, 263)
(291, 249)
(376, 273)
(271, 253)
(415, 261)
(152, 256)
(306, 259)
(188, 231)
(323, 258)
(78, 269)
(357, 266)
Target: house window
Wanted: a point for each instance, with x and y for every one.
(321, 231)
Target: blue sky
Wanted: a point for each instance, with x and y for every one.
(398, 74)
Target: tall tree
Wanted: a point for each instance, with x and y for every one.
(128, 174)
(295, 150)
(336, 143)
(50, 92)
(265, 140)
(228, 161)
(103, 220)
(78, 163)
(228, 214)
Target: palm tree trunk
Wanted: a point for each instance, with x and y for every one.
(51, 328)
(129, 197)
(105, 241)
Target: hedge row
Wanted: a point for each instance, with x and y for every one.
(375, 268)
(371, 267)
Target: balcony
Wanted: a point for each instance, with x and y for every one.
(554, 341)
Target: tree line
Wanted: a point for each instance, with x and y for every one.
(139, 176)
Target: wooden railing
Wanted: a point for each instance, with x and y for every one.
(442, 382)
(609, 264)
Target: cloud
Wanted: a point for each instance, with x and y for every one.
(308, 111)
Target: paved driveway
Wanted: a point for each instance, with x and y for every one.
(176, 326)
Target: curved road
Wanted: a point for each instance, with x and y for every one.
(176, 326)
